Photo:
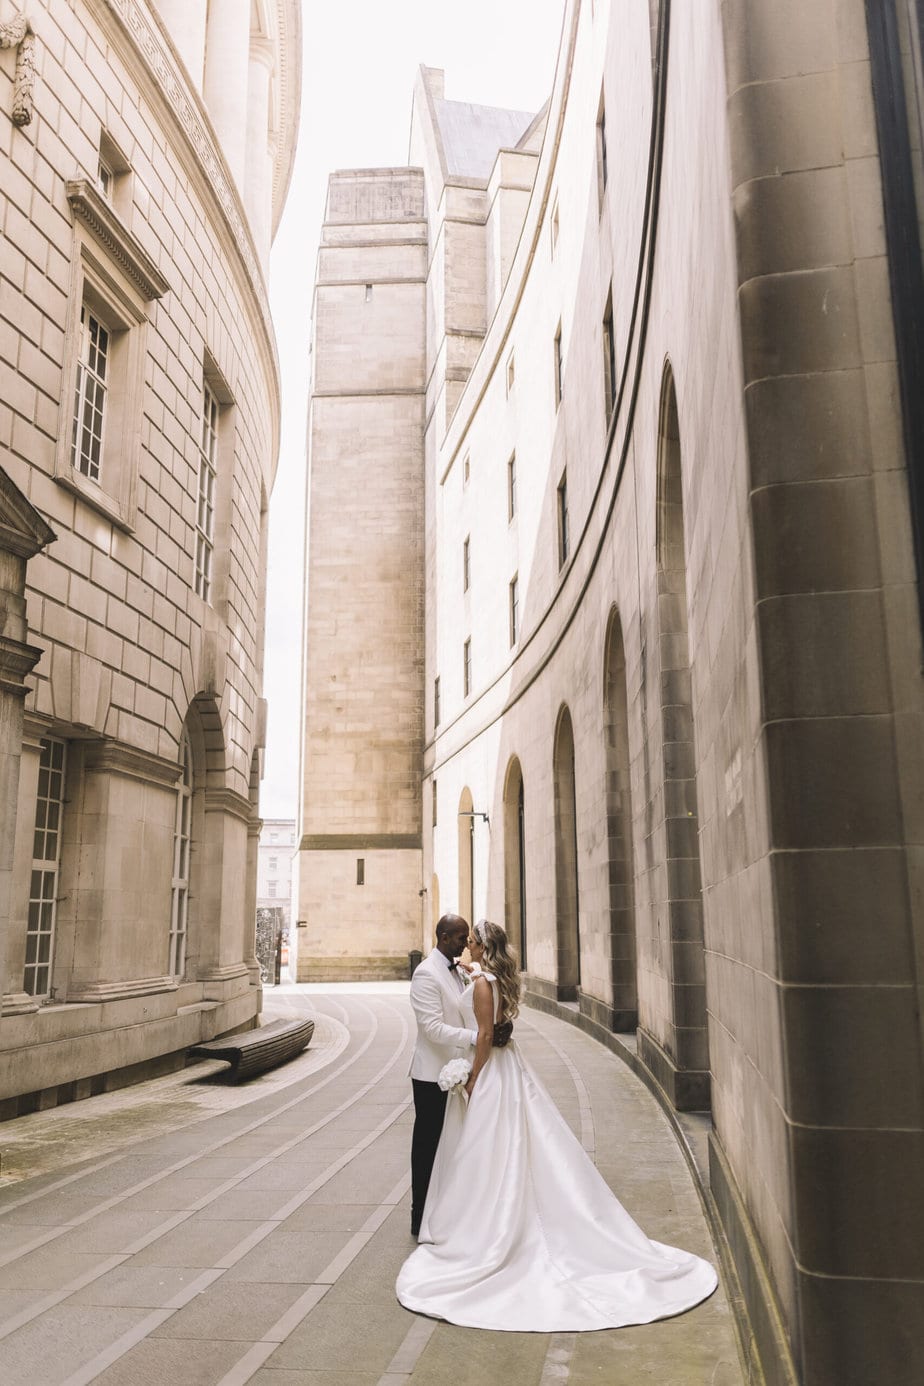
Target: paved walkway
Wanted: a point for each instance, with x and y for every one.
(188, 1233)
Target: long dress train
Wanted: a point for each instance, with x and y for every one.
(522, 1233)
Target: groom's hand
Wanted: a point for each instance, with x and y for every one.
(502, 1034)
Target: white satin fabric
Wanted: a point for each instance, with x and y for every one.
(520, 1232)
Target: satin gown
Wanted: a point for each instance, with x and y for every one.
(520, 1231)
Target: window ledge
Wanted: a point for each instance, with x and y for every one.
(108, 228)
(94, 495)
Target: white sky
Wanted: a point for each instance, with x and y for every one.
(359, 67)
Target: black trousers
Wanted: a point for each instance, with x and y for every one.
(429, 1110)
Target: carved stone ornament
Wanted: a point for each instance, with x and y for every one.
(18, 33)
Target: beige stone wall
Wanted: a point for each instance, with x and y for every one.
(132, 655)
(713, 700)
(363, 661)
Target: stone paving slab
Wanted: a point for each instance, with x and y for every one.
(286, 1272)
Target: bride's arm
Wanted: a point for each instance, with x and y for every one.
(484, 1014)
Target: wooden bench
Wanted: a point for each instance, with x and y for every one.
(257, 1050)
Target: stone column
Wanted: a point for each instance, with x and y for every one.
(184, 20)
(227, 46)
(250, 902)
(220, 881)
(258, 177)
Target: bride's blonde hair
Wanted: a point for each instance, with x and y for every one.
(500, 960)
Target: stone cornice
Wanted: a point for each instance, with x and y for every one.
(289, 77)
(115, 758)
(88, 203)
(16, 661)
(121, 991)
(224, 800)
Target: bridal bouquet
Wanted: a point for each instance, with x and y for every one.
(454, 1075)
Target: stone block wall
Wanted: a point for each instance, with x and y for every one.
(136, 662)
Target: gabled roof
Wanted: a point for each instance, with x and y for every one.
(471, 135)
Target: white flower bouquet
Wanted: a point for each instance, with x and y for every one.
(454, 1075)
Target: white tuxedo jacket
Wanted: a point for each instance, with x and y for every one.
(442, 1033)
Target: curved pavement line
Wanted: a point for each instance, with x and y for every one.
(302, 1307)
(326, 1058)
(588, 1132)
(115, 1199)
(57, 1296)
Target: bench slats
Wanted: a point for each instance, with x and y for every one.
(255, 1051)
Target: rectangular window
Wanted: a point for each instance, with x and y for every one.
(511, 372)
(90, 399)
(46, 861)
(512, 486)
(360, 870)
(557, 365)
(205, 507)
(273, 864)
(436, 702)
(564, 538)
(105, 178)
(514, 609)
(601, 150)
(609, 359)
(434, 801)
(271, 889)
(466, 563)
(467, 668)
(274, 837)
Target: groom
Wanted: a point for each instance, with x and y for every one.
(436, 991)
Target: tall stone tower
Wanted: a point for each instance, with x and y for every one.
(359, 860)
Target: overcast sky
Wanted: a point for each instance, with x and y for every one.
(359, 67)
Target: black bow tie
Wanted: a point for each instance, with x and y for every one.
(453, 966)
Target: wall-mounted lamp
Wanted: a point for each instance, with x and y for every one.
(468, 813)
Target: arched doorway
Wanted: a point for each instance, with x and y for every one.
(466, 855)
(684, 907)
(620, 858)
(515, 860)
(567, 910)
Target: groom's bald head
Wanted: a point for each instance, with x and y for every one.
(450, 923)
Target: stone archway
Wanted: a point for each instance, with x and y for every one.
(567, 895)
(466, 855)
(620, 857)
(515, 860)
(687, 1041)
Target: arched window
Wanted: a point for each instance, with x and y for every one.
(566, 862)
(620, 862)
(686, 1035)
(179, 900)
(515, 860)
(466, 856)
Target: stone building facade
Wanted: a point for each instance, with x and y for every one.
(661, 625)
(145, 154)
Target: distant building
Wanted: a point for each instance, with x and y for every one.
(145, 155)
(274, 867)
(614, 605)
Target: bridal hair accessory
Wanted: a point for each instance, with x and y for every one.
(454, 1075)
(481, 932)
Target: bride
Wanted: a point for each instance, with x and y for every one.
(520, 1231)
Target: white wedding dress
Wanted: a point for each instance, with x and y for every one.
(520, 1231)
